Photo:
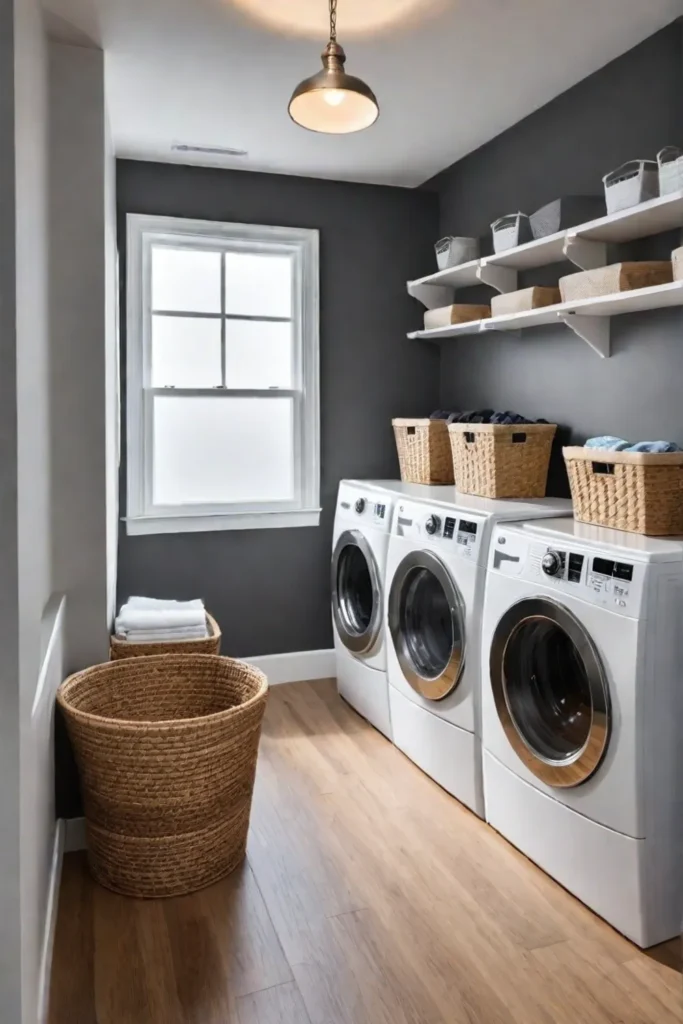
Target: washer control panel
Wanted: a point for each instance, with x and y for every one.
(611, 583)
(445, 530)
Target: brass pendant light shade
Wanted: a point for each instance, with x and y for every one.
(332, 101)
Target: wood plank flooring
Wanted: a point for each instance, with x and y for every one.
(369, 896)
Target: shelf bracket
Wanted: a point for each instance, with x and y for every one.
(594, 330)
(432, 296)
(503, 279)
(584, 253)
(487, 328)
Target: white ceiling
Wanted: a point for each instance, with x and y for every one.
(448, 74)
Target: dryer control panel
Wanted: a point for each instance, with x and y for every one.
(608, 582)
(455, 534)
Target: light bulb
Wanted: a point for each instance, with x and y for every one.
(333, 97)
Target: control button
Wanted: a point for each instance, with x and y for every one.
(360, 506)
(432, 525)
(552, 563)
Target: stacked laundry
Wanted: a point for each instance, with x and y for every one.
(482, 416)
(147, 620)
(618, 444)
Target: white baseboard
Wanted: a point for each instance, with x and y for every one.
(74, 838)
(296, 667)
(50, 922)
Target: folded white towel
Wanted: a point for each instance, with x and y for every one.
(165, 636)
(156, 604)
(145, 619)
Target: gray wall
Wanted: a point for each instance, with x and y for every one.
(629, 109)
(269, 588)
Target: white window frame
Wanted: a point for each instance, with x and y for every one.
(143, 516)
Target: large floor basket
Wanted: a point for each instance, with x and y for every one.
(167, 748)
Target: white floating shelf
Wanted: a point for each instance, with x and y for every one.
(584, 245)
(588, 318)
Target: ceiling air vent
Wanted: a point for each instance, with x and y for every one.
(183, 147)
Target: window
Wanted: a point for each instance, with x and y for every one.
(222, 376)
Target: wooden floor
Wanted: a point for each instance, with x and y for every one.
(369, 897)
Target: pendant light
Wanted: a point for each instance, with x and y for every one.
(332, 101)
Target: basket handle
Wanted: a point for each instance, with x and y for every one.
(603, 468)
(410, 431)
(508, 221)
(470, 438)
(443, 243)
(629, 169)
(668, 155)
(518, 438)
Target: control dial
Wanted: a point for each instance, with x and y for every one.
(360, 506)
(432, 525)
(552, 563)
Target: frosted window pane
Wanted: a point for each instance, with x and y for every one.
(220, 450)
(258, 354)
(186, 352)
(258, 285)
(185, 280)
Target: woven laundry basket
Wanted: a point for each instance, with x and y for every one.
(521, 301)
(620, 277)
(166, 747)
(677, 263)
(424, 451)
(500, 461)
(461, 313)
(121, 648)
(634, 491)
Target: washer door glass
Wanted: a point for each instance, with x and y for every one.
(427, 624)
(550, 690)
(356, 594)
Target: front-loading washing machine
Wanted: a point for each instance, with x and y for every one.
(359, 557)
(582, 715)
(436, 568)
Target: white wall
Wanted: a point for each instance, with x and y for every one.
(40, 615)
(82, 241)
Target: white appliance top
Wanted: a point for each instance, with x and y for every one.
(502, 509)
(633, 545)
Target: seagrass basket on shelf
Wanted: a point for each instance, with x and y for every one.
(498, 460)
(119, 647)
(635, 491)
(424, 451)
(166, 748)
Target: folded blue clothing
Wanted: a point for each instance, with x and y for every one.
(618, 444)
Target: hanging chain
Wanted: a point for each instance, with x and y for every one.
(333, 20)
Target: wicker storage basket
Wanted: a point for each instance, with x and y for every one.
(166, 748)
(501, 461)
(461, 313)
(452, 252)
(121, 648)
(620, 277)
(670, 162)
(520, 302)
(633, 491)
(633, 183)
(424, 451)
(510, 231)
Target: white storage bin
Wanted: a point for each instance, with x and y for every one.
(452, 251)
(510, 231)
(670, 161)
(631, 184)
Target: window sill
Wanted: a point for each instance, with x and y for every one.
(138, 525)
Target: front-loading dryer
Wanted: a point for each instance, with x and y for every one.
(359, 557)
(436, 569)
(582, 715)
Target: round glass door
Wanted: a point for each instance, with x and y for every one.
(550, 692)
(427, 625)
(356, 593)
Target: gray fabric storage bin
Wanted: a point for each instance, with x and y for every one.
(567, 212)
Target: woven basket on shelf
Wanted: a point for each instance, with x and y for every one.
(677, 262)
(424, 451)
(501, 461)
(166, 747)
(211, 644)
(620, 277)
(633, 491)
